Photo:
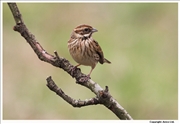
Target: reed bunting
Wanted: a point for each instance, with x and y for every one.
(84, 49)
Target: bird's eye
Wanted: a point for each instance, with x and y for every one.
(86, 29)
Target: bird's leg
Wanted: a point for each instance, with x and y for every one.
(90, 73)
(74, 68)
(86, 78)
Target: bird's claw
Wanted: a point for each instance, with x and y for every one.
(84, 79)
(72, 70)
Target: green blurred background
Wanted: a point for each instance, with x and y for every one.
(140, 39)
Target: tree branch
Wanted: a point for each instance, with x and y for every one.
(75, 103)
(102, 96)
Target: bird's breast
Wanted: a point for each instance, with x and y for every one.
(82, 53)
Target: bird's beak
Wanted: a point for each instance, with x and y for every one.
(94, 30)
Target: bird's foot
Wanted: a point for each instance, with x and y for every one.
(72, 70)
(85, 79)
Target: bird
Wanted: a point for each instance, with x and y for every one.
(84, 49)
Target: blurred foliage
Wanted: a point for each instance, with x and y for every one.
(140, 39)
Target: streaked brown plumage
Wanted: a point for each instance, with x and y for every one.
(84, 49)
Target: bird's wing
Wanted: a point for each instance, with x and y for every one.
(99, 52)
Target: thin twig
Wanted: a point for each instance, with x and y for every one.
(75, 103)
